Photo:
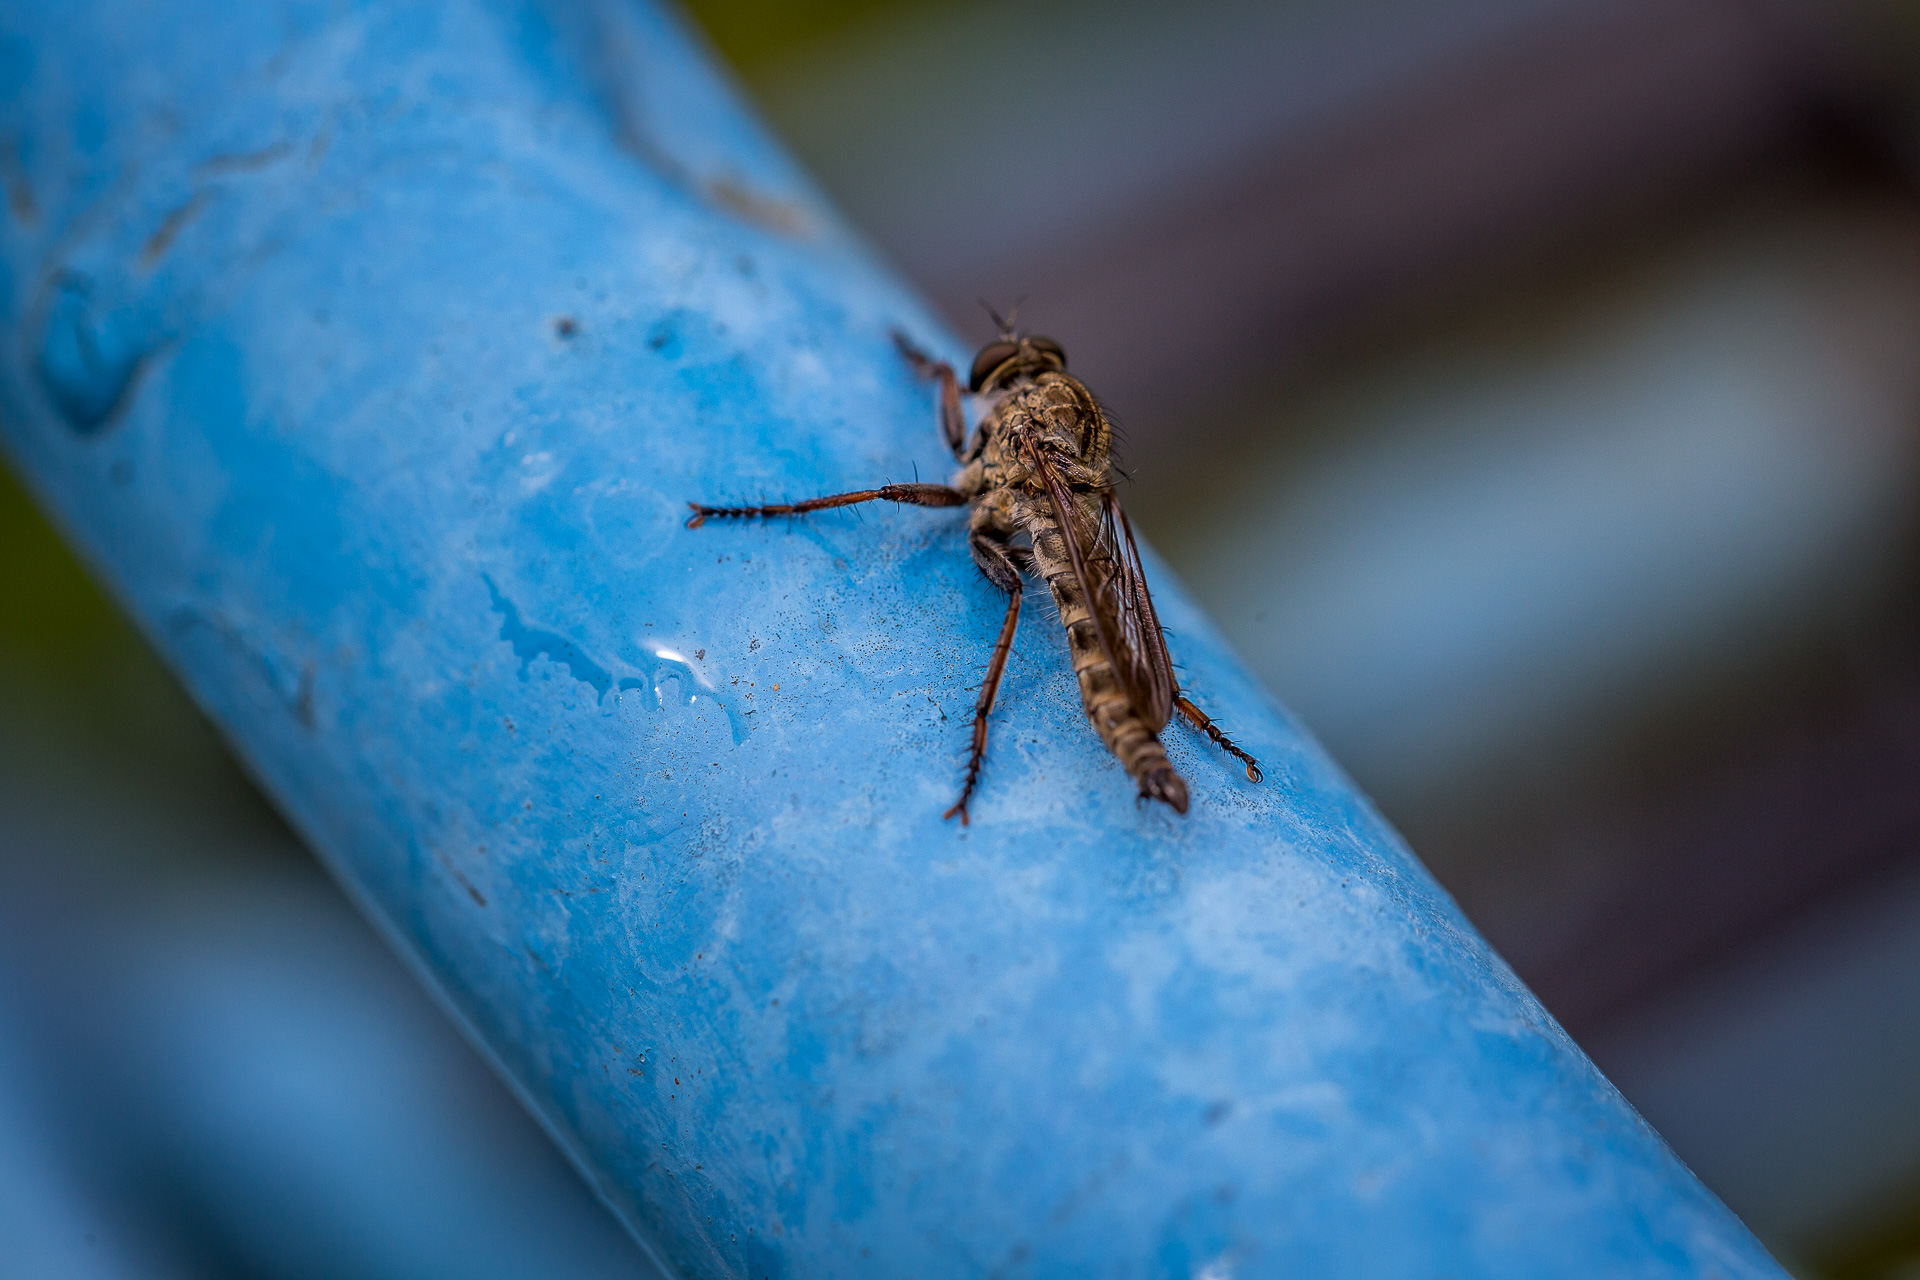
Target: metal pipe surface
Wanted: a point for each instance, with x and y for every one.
(371, 354)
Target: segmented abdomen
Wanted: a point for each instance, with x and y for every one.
(1123, 730)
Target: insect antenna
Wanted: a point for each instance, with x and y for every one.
(1004, 323)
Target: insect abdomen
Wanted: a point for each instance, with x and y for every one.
(1124, 731)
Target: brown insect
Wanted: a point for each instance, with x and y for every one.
(1038, 474)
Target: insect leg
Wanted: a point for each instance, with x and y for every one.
(994, 561)
(1198, 719)
(953, 424)
(920, 495)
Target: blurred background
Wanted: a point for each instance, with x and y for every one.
(1530, 389)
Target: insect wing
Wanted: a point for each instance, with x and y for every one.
(1107, 564)
(1149, 677)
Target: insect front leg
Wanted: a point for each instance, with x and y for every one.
(953, 423)
(1199, 720)
(919, 495)
(996, 561)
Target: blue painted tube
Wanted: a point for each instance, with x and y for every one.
(371, 354)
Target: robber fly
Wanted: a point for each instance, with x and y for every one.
(1038, 475)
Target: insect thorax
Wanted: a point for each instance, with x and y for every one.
(1055, 413)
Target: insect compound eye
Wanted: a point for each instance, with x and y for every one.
(991, 357)
(1047, 346)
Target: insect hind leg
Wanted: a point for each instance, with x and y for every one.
(997, 564)
(1199, 720)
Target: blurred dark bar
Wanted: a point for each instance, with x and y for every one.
(1596, 122)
